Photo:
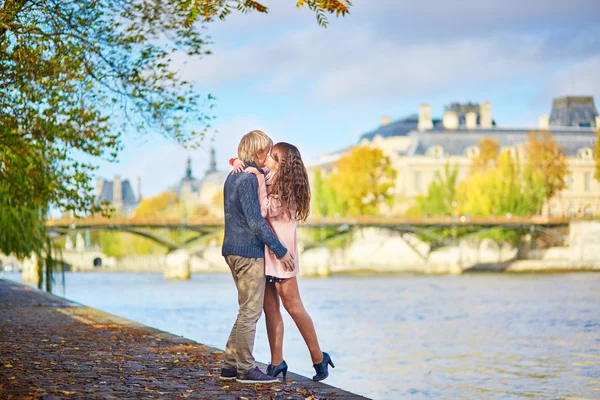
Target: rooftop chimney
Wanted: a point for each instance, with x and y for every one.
(471, 120)
(544, 122)
(188, 169)
(99, 185)
(450, 120)
(117, 200)
(385, 120)
(425, 121)
(485, 114)
(139, 188)
(213, 160)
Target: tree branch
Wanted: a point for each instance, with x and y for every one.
(8, 14)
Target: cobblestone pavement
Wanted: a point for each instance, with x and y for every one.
(51, 349)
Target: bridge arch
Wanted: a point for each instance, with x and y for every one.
(169, 244)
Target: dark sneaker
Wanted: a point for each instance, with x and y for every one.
(256, 376)
(228, 374)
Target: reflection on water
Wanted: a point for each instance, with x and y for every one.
(450, 337)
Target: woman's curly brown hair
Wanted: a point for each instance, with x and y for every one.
(290, 184)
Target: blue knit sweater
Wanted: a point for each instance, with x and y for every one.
(246, 231)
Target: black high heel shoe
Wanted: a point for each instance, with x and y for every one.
(321, 368)
(274, 370)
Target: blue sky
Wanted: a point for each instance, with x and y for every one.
(322, 88)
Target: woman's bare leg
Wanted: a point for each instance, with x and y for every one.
(274, 323)
(290, 297)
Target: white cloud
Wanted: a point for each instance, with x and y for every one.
(582, 78)
(419, 19)
(388, 48)
(343, 66)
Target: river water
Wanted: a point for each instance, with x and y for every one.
(484, 336)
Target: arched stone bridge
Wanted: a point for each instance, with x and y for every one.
(439, 231)
(429, 241)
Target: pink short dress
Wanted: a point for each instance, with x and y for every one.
(283, 224)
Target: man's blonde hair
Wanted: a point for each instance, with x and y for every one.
(252, 144)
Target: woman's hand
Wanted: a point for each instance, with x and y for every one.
(252, 170)
(238, 166)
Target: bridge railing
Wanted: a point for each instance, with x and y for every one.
(156, 222)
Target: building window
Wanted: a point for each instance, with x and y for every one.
(586, 153)
(588, 182)
(570, 181)
(418, 181)
(472, 151)
(435, 151)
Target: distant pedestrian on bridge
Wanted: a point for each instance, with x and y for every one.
(246, 234)
(284, 194)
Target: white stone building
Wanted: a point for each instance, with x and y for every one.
(419, 146)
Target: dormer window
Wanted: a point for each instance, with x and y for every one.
(585, 153)
(435, 151)
(472, 151)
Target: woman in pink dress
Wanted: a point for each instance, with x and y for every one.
(284, 195)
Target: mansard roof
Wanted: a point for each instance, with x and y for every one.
(456, 142)
(397, 128)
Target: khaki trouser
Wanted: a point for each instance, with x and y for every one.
(249, 277)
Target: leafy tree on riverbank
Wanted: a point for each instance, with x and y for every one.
(161, 205)
(441, 195)
(363, 179)
(76, 77)
(487, 157)
(546, 160)
(325, 201)
(506, 189)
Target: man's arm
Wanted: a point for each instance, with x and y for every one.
(247, 193)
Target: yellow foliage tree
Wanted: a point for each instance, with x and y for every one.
(546, 160)
(488, 154)
(508, 188)
(160, 205)
(364, 179)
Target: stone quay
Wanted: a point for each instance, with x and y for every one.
(52, 348)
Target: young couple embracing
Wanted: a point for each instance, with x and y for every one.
(265, 196)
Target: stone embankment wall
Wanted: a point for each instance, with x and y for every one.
(581, 254)
(377, 250)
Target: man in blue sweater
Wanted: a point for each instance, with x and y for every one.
(246, 234)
